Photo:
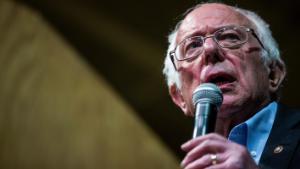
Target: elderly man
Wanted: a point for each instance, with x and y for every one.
(234, 49)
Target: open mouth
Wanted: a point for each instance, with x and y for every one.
(221, 79)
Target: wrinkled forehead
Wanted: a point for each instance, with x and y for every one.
(209, 17)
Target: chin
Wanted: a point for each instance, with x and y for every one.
(230, 106)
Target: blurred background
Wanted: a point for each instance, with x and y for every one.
(81, 82)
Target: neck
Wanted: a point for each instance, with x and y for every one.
(223, 127)
(225, 124)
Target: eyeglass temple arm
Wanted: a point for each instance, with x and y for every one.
(254, 34)
(171, 55)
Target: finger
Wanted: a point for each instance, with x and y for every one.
(218, 166)
(237, 157)
(202, 162)
(205, 147)
(194, 142)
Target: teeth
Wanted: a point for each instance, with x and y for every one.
(221, 83)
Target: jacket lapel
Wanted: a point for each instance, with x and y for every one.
(283, 139)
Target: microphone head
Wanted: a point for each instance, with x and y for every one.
(209, 93)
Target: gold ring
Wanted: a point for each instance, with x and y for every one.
(214, 159)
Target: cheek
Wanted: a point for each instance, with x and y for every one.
(189, 74)
(187, 77)
(253, 75)
(190, 79)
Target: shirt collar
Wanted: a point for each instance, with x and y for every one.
(258, 129)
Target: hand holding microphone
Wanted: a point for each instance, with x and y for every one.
(208, 149)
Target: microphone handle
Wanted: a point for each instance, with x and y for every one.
(205, 119)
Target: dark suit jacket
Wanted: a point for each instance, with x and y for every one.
(284, 137)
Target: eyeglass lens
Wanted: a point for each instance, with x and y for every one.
(228, 37)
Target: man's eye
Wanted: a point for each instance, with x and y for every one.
(193, 44)
(229, 37)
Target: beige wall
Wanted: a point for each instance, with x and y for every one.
(55, 112)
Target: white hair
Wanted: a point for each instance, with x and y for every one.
(271, 52)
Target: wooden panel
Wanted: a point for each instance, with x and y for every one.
(55, 112)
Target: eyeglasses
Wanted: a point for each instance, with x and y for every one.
(231, 37)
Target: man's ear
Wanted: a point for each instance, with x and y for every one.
(177, 98)
(276, 75)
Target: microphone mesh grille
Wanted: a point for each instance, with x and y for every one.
(208, 92)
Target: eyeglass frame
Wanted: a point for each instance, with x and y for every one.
(172, 53)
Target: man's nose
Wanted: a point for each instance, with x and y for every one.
(212, 51)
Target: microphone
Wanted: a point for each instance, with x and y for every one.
(207, 99)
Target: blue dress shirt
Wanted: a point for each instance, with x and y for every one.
(254, 132)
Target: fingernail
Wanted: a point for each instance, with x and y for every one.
(182, 164)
